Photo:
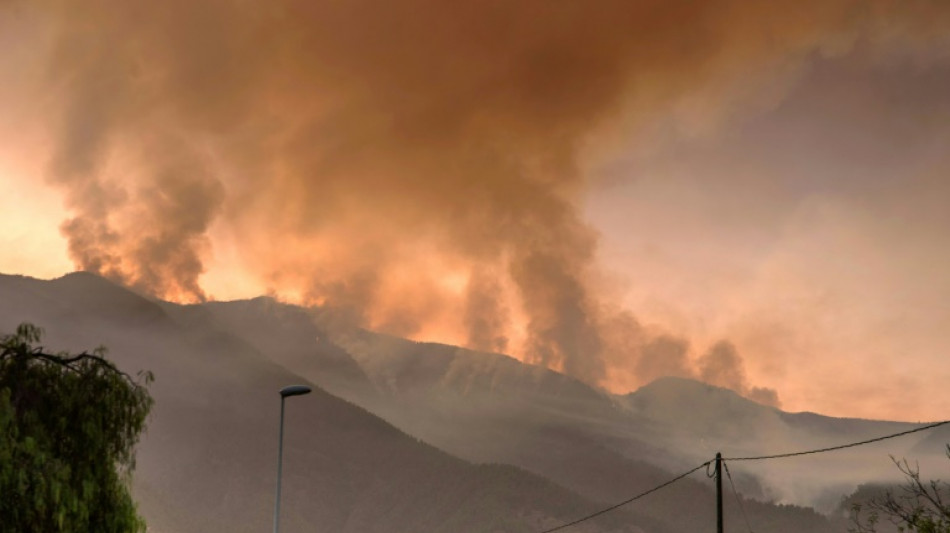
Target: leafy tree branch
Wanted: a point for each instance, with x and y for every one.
(68, 429)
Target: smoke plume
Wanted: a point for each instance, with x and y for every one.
(722, 366)
(418, 164)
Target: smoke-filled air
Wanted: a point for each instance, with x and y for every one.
(437, 170)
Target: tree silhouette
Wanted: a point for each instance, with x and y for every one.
(68, 428)
(916, 505)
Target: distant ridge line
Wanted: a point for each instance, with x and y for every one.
(752, 458)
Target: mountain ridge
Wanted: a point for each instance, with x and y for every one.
(202, 463)
(482, 408)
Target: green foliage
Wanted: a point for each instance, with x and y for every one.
(68, 429)
(917, 505)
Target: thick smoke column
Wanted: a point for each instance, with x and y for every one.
(370, 154)
(486, 318)
(140, 192)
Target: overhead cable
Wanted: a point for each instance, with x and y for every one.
(738, 500)
(841, 447)
(751, 458)
(625, 502)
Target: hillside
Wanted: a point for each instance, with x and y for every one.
(219, 365)
(208, 459)
(490, 407)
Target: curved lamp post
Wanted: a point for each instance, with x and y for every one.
(293, 390)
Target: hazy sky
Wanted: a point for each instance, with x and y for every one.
(752, 193)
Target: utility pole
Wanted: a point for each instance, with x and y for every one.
(718, 492)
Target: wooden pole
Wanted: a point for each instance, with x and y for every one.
(719, 493)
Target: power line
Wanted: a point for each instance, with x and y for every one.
(625, 502)
(841, 447)
(736, 493)
(751, 458)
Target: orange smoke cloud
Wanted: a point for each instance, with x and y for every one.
(364, 152)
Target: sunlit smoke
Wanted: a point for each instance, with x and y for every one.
(362, 153)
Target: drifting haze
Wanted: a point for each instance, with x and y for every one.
(421, 166)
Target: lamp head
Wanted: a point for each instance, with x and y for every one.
(294, 390)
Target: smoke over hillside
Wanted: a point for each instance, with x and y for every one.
(419, 164)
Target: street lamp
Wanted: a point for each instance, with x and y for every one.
(293, 390)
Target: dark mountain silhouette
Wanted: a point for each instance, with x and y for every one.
(208, 458)
(285, 333)
(490, 407)
(207, 462)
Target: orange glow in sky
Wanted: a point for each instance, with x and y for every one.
(753, 195)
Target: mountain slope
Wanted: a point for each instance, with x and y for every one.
(688, 409)
(219, 365)
(207, 461)
(490, 407)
